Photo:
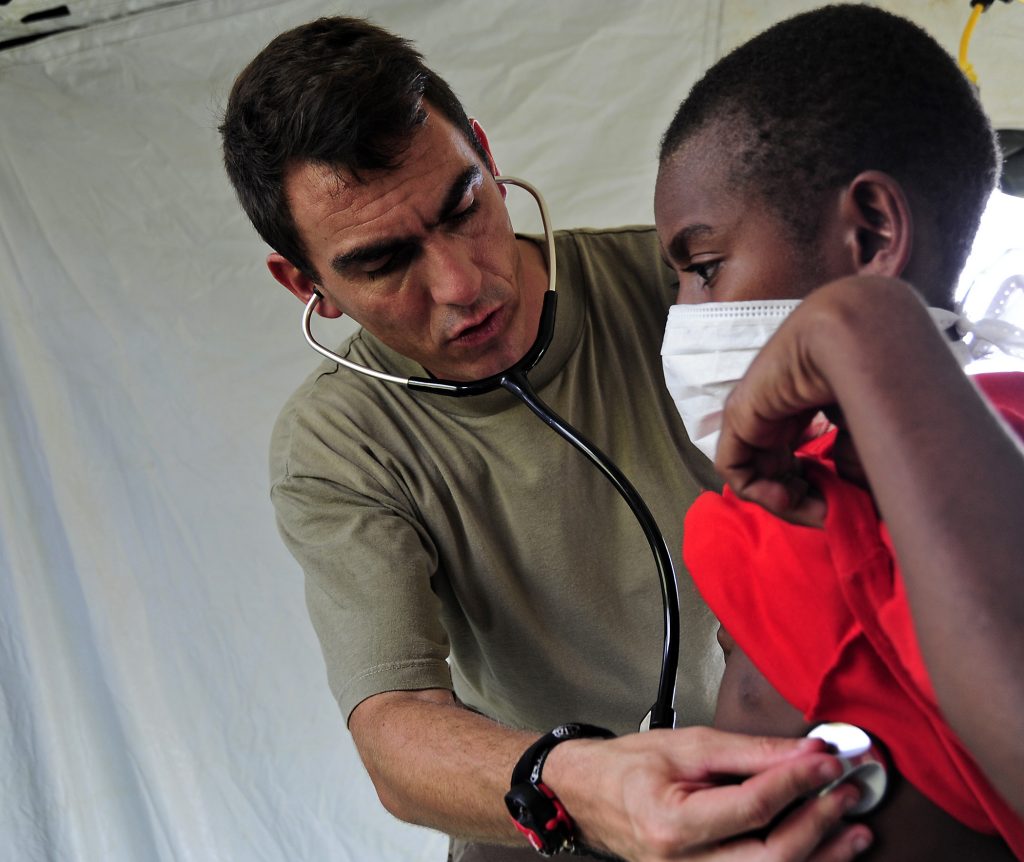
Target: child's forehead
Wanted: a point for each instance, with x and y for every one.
(699, 204)
(712, 163)
(711, 147)
(695, 176)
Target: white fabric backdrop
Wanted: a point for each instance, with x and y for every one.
(163, 697)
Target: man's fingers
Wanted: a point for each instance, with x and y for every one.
(721, 753)
(847, 844)
(801, 834)
(717, 813)
(814, 832)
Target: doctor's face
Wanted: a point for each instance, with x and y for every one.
(725, 245)
(423, 255)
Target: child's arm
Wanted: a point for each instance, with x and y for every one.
(947, 477)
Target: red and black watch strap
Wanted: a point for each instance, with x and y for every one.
(535, 809)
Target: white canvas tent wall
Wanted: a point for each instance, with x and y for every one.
(163, 697)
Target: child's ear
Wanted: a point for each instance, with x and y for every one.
(300, 284)
(879, 228)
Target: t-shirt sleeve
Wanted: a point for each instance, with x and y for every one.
(368, 565)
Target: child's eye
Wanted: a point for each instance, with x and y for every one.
(705, 271)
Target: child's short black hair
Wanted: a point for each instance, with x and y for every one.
(814, 100)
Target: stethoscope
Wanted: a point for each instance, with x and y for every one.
(514, 380)
(861, 761)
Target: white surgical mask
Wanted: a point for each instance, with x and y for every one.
(709, 346)
(990, 336)
(707, 349)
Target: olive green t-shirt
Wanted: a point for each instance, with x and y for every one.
(460, 543)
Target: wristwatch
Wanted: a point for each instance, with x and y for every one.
(536, 811)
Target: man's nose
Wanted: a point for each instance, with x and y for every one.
(452, 276)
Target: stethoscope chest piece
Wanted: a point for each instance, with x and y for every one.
(864, 764)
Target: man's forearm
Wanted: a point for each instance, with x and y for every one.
(439, 765)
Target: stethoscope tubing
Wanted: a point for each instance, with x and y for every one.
(662, 713)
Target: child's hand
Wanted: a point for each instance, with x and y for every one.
(768, 416)
(770, 412)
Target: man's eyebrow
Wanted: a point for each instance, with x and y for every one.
(457, 191)
(377, 250)
(678, 248)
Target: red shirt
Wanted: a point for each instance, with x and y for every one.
(823, 615)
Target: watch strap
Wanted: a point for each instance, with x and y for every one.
(535, 809)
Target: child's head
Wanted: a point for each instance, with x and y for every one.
(842, 140)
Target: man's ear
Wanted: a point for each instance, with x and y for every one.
(300, 284)
(878, 225)
(481, 136)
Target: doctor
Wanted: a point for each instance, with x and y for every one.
(475, 584)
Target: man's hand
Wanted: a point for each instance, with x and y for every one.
(688, 794)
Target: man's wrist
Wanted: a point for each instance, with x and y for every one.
(537, 810)
(576, 772)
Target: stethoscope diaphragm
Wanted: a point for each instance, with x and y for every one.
(864, 763)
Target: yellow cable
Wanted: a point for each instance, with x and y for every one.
(965, 40)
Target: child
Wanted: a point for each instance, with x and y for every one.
(841, 148)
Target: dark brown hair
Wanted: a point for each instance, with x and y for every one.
(340, 92)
